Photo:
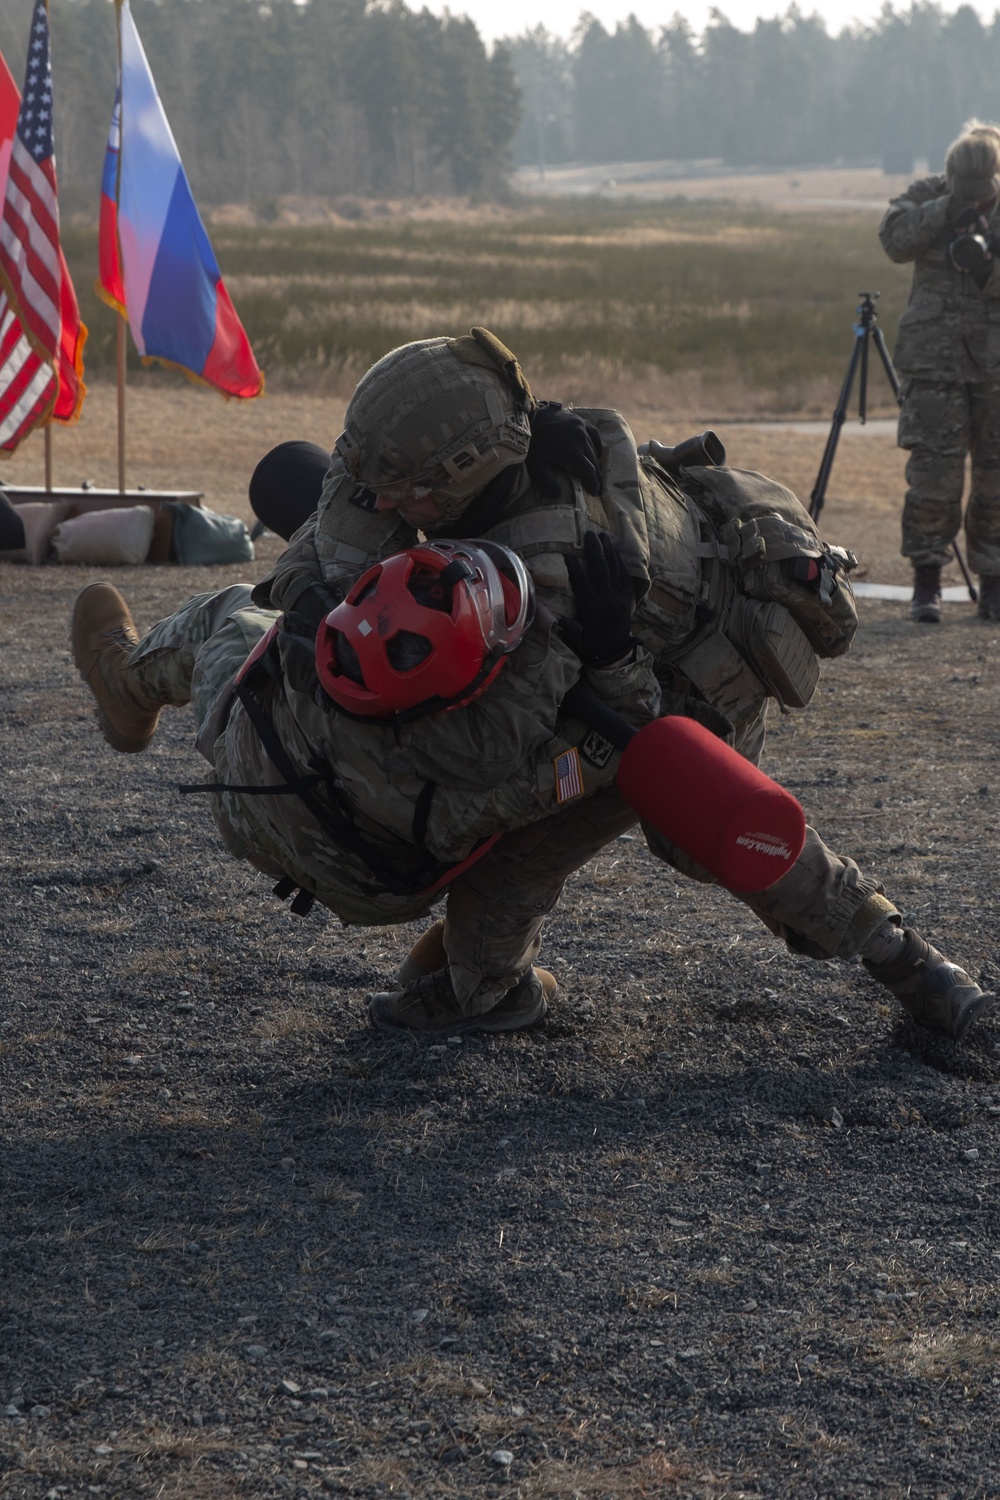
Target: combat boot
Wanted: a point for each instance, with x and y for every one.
(426, 955)
(103, 635)
(989, 597)
(925, 606)
(427, 1005)
(936, 993)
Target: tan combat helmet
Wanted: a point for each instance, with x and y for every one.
(440, 416)
(972, 163)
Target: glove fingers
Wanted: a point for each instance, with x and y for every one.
(596, 558)
(596, 483)
(617, 571)
(591, 478)
(544, 478)
(571, 632)
(579, 579)
(563, 440)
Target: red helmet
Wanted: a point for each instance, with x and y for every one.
(425, 630)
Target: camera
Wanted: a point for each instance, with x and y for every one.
(970, 252)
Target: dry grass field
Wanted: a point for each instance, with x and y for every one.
(692, 306)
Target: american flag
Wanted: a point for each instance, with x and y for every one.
(569, 781)
(41, 337)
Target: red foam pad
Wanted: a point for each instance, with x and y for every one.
(738, 824)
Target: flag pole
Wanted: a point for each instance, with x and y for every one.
(121, 403)
(48, 458)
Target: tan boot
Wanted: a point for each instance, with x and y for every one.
(428, 1007)
(103, 634)
(427, 955)
(936, 993)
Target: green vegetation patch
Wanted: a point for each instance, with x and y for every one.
(677, 287)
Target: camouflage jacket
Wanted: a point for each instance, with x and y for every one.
(418, 798)
(950, 330)
(662, 526)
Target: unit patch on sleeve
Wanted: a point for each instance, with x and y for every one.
(569, 780)
(596, 750)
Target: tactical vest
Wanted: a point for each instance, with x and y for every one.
(737, 593)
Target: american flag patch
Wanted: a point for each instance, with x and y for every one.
(569, 782)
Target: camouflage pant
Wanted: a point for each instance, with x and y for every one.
(823, 907)
(940, 423)
(192, 656)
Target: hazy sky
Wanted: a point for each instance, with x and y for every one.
(560, 16)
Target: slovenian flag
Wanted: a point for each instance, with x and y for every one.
(156, 264)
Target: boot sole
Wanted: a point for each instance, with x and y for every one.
(971, 1013)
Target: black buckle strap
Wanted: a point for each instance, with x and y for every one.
(304, 901)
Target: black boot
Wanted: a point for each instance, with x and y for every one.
(989, 596)
(938, 994)
(925, 606)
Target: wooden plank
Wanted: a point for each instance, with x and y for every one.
(95, 499)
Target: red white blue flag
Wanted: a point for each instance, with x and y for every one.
(569, 780)
(155, 260)
(41, 336)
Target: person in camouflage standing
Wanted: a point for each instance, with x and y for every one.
(714, 596)
(948, 357)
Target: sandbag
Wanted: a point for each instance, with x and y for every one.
(12, 537)
(39, 519)
(204, 538)
(119, 537)
(738, 824)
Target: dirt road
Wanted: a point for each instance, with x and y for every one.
(724, 1226)
(788, 189)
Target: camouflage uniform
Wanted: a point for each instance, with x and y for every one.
(686, 618)
(948, 357)
(457, 777)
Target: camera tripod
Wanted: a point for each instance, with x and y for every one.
(866, 330)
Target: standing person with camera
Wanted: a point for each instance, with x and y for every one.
(948, 359)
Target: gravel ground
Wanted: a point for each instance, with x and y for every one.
(723, 1226)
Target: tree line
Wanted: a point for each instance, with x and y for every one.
(785, 93)
(346, 97)
(327, 97)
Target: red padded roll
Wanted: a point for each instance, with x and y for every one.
(738, 824)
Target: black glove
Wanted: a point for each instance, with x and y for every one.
(602, 630)
(562, 439)
(960, 213)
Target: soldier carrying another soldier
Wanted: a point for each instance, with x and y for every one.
(698, 590)
(948, 357)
